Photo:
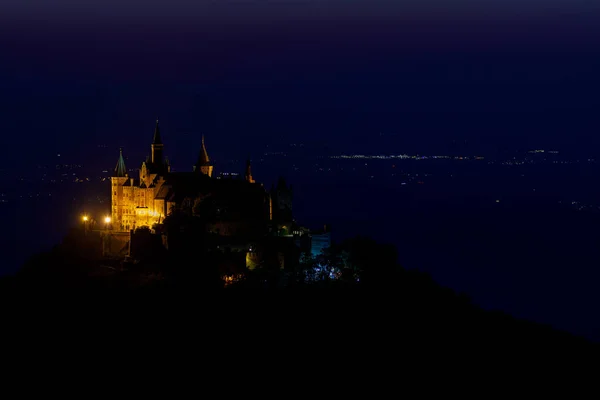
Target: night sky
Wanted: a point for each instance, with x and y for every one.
(497, 74)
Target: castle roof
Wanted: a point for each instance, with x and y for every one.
(163, 192)
(189, 184)
(120, 170)
(132, 182)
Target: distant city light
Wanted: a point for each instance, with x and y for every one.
(107, 220)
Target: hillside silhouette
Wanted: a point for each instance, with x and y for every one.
(361, 296)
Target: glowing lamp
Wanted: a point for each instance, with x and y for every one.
(107, 220)
(85, 218)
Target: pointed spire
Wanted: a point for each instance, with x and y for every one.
(281, 184)
(203, 157)
(120, 170)
(157, 139)
(249, 171)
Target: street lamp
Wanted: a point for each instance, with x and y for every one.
(106, 244)
(85, 219)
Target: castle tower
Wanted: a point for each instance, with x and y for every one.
(283, 196)
(249, 177)
(117, 201)
(157, 147)
(203, 164)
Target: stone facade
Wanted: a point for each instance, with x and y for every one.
(240, 206)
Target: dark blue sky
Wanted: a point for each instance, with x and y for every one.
(497, 74)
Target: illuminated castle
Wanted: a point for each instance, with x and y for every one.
(236, 206)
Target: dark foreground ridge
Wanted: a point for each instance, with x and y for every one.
(373, 306)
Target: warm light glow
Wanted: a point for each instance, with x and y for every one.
(107, 220)
(85, 218)
(230, 279)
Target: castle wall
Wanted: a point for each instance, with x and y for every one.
(135, 206)
(128, 207)
(117, 201)
(242, 228)
(115, 243)
(145, 243)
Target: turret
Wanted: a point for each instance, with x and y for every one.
(249, 177)
(117, 181)
(157, 147)
(203, 164)
(120, 170)
(167, 164)
(283, 196)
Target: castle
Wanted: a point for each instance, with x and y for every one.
(237, 207)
